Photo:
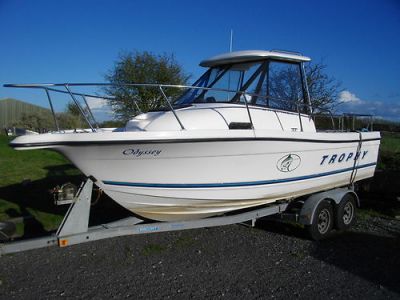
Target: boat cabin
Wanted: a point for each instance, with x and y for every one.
(241, 90)
(264, 78)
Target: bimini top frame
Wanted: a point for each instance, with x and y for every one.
(253, 55)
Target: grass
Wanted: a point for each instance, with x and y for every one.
(17, 166)
(365, 214)
(152, 249)
(389, 152)
(390, 142)
(25, 177)
(184, 242)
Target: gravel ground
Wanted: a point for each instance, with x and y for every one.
(269, 261)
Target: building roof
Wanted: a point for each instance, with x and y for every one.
(252, 55)
(12, 111)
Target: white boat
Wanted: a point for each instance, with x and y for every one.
(242, 136)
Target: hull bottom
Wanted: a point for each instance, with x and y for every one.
(181, 208)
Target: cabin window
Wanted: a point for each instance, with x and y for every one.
(251, 84)
(193, 95)
(237, 77)
(224, 82)
(230, 81)
(283, 86)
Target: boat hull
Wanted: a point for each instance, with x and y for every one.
(192, 179)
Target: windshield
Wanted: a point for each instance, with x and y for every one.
(270, 83)
(222, 84)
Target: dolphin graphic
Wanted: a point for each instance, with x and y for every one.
(285, 165)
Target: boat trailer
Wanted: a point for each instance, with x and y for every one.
(74, 228)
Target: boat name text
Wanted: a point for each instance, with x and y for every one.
(141, 152)
(344, 157)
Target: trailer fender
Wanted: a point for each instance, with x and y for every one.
(307, 212)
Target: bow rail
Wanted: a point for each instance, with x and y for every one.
(66, 88)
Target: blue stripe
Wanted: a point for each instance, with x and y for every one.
(232, 184)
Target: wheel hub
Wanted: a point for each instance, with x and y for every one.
(348, 212)
(324, 219)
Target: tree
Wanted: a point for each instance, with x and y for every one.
(72, 117)
(72, 109)
(142, 67)
(324, 90)
(66, 120)
(285, 85)
(36, 121)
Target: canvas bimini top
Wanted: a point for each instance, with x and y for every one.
(252, 55)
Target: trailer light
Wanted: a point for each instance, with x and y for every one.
(63, 242)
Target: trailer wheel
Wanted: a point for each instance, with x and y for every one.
(322, 222)
(345, 212)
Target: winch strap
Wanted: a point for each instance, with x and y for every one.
(354, 170)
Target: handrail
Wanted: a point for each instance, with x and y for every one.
(171, 107)
(286, 51)
(353, 117)
(47, 86)
(79, 107)
(54, 87)
(313, 114)
(52, 109)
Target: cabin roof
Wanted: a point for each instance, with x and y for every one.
(252, 55)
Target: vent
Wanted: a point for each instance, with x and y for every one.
(239, 125)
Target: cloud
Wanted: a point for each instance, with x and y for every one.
(350, 103)
(347, 97)
(97, 103)
(100, 108)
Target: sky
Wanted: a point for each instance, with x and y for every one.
(79, 41)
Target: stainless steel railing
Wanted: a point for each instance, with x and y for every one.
(66, 88)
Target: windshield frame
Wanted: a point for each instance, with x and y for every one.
(203, 85)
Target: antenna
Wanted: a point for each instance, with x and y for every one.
(231, 41)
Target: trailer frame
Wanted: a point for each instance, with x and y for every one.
(74, 229)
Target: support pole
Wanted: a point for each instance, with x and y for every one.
(77, 218)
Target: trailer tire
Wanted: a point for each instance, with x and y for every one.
(322, 222)
(345, 213)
